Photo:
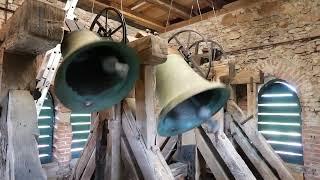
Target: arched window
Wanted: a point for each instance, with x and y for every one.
(279, 120)
(80, 123)
(45, 125)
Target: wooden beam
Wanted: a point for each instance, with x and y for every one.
(150, 161)
(247, 76)
(228, 154)
(226, 9)
(19, 71)
(251, 153)
(167, 150)
(175, 8)
(130, 164)
(137, 6)
(34, 28)
(114, 157)
(151, 49)
(200, 165)
(179, 170)
(23, 160)
(260, 143)
(102, 144)
(86, 154)
(209, 154)
(90, 168)
(128, 13)
(145, 105)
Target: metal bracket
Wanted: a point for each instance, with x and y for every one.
(69, 8)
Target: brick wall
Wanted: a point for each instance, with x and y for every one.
(281, 38)
(62, 140)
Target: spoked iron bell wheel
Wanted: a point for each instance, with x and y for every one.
(204, 52)
(192, 39)
(107, 30)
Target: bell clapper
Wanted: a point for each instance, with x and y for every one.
(112, 65)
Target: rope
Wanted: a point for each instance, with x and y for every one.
(168, 16)
(199, 10)
(215, 17)
(191, 12)
(92, 6)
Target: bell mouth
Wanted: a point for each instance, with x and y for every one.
(185, 113)
(92, 69)
(96, 76)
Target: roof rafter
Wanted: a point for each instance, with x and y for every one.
(176, 8)
(136, 17)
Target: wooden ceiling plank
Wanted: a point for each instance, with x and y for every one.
(138, 5)
(176, 8)
(133, 16)
(226, 9)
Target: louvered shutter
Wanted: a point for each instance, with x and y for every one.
(279, 120)
(45, 125)
(80, 130)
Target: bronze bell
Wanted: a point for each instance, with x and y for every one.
(96, 73)
(186, 99)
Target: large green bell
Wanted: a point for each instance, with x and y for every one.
(186, 99)
(96, 73)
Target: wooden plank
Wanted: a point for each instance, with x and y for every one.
(251, 153)
(87, 152)
(251, 103)
(23, 160)
(34, 28)
(245, 76)
(136, 17)
(169, 147)
(73, 25)
(223, 71)
(115, 129)
(160, 140)
(145, 104)
(19, 71)
(200, 165)
(226, 9)
(179, 169)
(130, 163)
(207, 151)
(151, 162)
(151, 49)
(101, 147)
(260, 143)
(231, 158)
(175, 7)
(90, 168)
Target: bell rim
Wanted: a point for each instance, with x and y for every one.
(69, 58)
(184, 96)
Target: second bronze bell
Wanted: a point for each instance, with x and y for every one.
(186, 99)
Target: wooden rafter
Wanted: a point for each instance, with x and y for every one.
(226, 9)
(135, 17)
(176, 8)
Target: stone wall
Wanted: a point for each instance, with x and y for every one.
(282, 39)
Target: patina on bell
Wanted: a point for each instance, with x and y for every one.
(187, 100)
(96, 73)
